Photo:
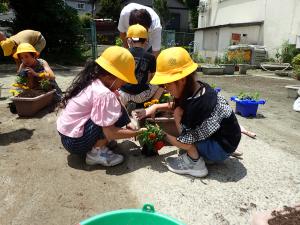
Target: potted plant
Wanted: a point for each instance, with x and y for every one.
(212, 69)
(215, 87)
(151, 140)
(247, 103)
(28, 102)
(296, 66)
(229, 66)
(238, 59)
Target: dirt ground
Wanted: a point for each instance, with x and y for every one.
(40, 183)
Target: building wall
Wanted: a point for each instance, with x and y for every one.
(281, 21)
(74, 4)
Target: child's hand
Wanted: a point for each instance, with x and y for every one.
(142, 113)
(31, 72)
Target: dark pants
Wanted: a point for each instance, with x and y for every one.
(91, 134)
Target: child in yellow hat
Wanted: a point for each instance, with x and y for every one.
(92, 113)
(207, 125)
(34, 69)
(137, 37)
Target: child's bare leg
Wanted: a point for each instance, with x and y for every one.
(247, 132)
(100, 143)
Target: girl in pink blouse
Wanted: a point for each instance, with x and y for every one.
(92, 113)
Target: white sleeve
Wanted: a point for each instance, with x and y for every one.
(123, 22)
(156, 39)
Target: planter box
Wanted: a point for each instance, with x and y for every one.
(247, 108)
(228, 68)
(275, 66)
(166, 124)
(212, 70)
(30, 106)
(292, 91)
(243, 68)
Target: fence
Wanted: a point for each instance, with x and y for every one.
(173, 38)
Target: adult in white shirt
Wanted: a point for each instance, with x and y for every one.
(134, 13)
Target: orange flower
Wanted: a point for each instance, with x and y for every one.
(152, 136)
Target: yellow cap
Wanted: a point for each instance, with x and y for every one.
(136, 32)
(173, 64)
(119, 62)
(7, 45)
(25, 47)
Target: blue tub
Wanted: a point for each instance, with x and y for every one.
(247, 108)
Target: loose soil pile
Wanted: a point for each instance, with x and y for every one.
(31, 93)
(289, 216)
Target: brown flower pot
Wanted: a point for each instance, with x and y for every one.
(30, 106)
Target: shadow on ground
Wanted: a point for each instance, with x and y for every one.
(134, 160)
(15, 136)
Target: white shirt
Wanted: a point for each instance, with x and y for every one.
(154, 30)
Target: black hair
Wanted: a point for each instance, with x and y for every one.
(141, 40)
(90, 72)
(140, 16)
(188, 90)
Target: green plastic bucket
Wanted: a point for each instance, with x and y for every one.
(144, 216)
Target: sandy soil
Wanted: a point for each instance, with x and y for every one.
(40, 183)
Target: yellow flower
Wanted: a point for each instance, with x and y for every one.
(42, 74)
(145, 104)
(167, 95)
(14, 92)
(25, 87)
(15, 85)
(154, 101)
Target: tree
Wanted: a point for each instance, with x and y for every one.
(3, 6)
(59, 24)
(161, 7)
(110, 9)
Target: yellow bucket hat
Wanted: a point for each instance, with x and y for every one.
(136, 32)
(173, 64)
(7, 45)
(25, 47)
(119, 62)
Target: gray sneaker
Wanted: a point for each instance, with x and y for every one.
(104, 158)
(184, 165)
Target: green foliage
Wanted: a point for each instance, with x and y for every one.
(21, 80)
(85, 20)
(288, 52)
(225, 59)
(152, 135)
(296, 60)
(161, 7)
(119, 42)
(248, 96)
(213, 85)
(198, 58)
(165, 98)
(59, 24)
(218, 60)
(110, 9)
(45, 84)
(238, 58)
(3, 6)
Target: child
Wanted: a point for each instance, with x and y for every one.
(92, 113)
(208, 126)
(34, 69)
(137, 36)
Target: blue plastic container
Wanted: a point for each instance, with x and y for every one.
(247, 108)
(217, 89)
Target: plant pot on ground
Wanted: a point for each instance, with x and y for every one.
(210, 69)
(29, 102)
(243, 68)
(247, 104)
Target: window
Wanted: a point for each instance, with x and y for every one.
(80, 5)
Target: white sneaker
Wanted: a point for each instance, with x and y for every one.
(104, 157)
(184, 165)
